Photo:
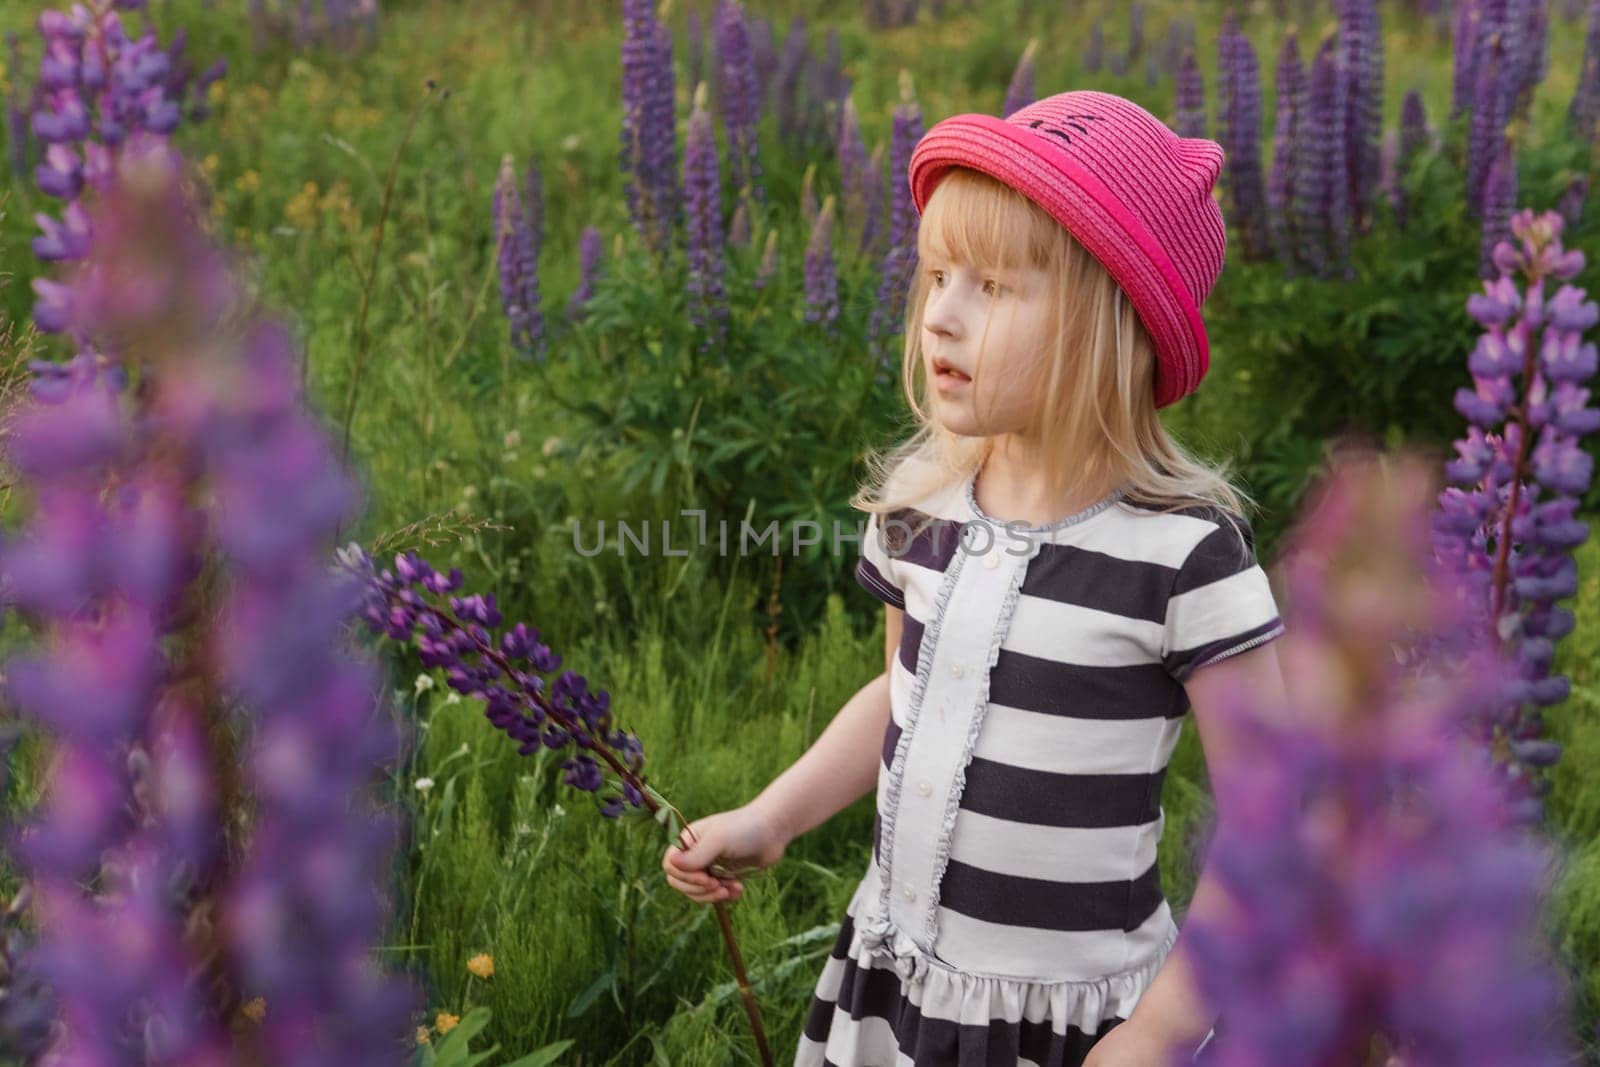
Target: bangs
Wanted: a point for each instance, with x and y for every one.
(976, 220)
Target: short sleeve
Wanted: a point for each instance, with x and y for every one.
(878, 572)
(1221, 602)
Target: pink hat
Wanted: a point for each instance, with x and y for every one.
(1132, 192)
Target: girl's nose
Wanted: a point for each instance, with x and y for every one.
(939, 317)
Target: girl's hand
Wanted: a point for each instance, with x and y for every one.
(1129, 1045)
(730, 843)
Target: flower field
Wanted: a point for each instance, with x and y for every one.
(323, 620)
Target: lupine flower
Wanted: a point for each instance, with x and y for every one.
(739, 233)
(1239, 132)
(1499, 199)
(1488, 123)
(900, 261)
(786, 81)
(1534, 60)
(454, 633)
(695, 60)
(98, 88)
(1094, 54)
(874, 232)
(1135, 31)
(1572, 201)
(519, 266)
(214, 458)
(1180, 35)
(1464, 71)
(590, 248)
(1584, 111)
(708, 305)
(740, 96)
(1290, 84)
(1377, 887)
(769, 262)
(1321, 208)
(1190, 99)
(18, 136)
(855, 175)
(1361, 55)
(1512, 489)
(1019, 94)
(1152, 69)
(822, 280)
(649, 140)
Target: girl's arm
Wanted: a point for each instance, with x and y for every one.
(842, 765)
(1172, 1017)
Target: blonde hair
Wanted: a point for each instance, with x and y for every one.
(1097, 417)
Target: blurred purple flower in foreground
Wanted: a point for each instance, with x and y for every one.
(191, 657)
(1378, 890)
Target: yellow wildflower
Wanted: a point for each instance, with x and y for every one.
(482, 965)
(248, 182)
(216, 91)
(444, 1022)
(422, 1036)
(209, 164)
(255, 1010)
(302, 210)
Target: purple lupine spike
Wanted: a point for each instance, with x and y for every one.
(1239, 132)
(786, 79)
(1190, 120)
(1583, 113)
(768, 268)
(1499, 199)
(1152, 69)
(218, 475)
(1290, 85)
(1572, 201)
(649, 143)
(874, 232)
(764, 51)
(1488, 123)
(1464, 69)
(533, 205)
(740, 96)
(708, 305)
(1321, 208)
(900, 261)
(1357, 841)
(1414, 136)
(1535, 56)
(695, 50)
(1513, 535)
(1019, 94)
(518, 262)
(18, 137)
(453, 634)
(822, 280)
(1135, 31)
(1361, 56)
(590, 248)
(854, 175)
(1094, 53)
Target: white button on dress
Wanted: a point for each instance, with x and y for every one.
(924, 788)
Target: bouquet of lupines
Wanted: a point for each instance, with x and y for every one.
(1510, 523)
(510, 673)
(1378, 897)
(206, 861)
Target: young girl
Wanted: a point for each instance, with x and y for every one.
(1062, 583)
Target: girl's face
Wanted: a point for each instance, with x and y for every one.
(1007, 313)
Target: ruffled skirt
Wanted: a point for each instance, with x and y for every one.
(880, 1003)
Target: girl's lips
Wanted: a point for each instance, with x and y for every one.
(951, 380)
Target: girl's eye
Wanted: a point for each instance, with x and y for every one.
(991, 282)
(938, 277)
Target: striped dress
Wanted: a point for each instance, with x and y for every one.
(1012, 910)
